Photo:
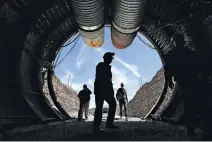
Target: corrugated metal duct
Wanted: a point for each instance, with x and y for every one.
(126, 20)
(89, 15)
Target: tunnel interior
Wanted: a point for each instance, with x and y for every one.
(75, 44)
(30, 41)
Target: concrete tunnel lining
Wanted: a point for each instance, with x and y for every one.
(33, 106)
(156, 106)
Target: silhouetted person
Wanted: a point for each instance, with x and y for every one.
(183, 64)
(103, 90)
(84, 96)
(121, 96)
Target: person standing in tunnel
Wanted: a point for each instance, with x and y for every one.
(84, 96)
(183, 64)
(103, 90)
(121, 97)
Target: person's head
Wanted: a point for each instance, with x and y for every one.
(84, 86)
(179, 40)
(108, 57)
(122, 85)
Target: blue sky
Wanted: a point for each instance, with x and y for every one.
(129, 65)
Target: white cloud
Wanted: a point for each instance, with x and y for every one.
(81, 58)
(131, 67)
(101, 51)
(80, 62)
(119, 76)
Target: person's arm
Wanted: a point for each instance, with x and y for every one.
(168, 77)
(126, 95)
(98, 70)
(80, 95)
(112, 90)
(96, 84)
(110, 76)
(89, 92)
(168, 73)
(117, 95)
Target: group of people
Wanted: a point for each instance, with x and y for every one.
(84, 97)
(103, 90)
(182, 64)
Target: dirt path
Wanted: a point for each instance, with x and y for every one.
(82, 131)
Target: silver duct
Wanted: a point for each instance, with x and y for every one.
(126, 20)
(89, 15)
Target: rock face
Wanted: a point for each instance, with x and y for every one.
(66, 96)
(148, 95)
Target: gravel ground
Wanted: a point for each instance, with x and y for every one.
(129, 130)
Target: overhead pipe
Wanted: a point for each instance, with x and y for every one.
(126, 21)
(89, 15)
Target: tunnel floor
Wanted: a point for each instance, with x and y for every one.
(82, 131)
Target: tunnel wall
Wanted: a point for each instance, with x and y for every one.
(16, 102)
(12, 101)
(42, 39)
(194, 39)
(16, 107)
(36, 41)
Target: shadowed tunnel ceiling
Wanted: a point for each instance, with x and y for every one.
(32, 32)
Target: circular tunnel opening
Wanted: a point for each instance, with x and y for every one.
(72, 62)
(38, 40)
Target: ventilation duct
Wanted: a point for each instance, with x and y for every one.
(126, 20)
(89, 15)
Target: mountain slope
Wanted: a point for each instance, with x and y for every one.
(66, 96)
(147, 96)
